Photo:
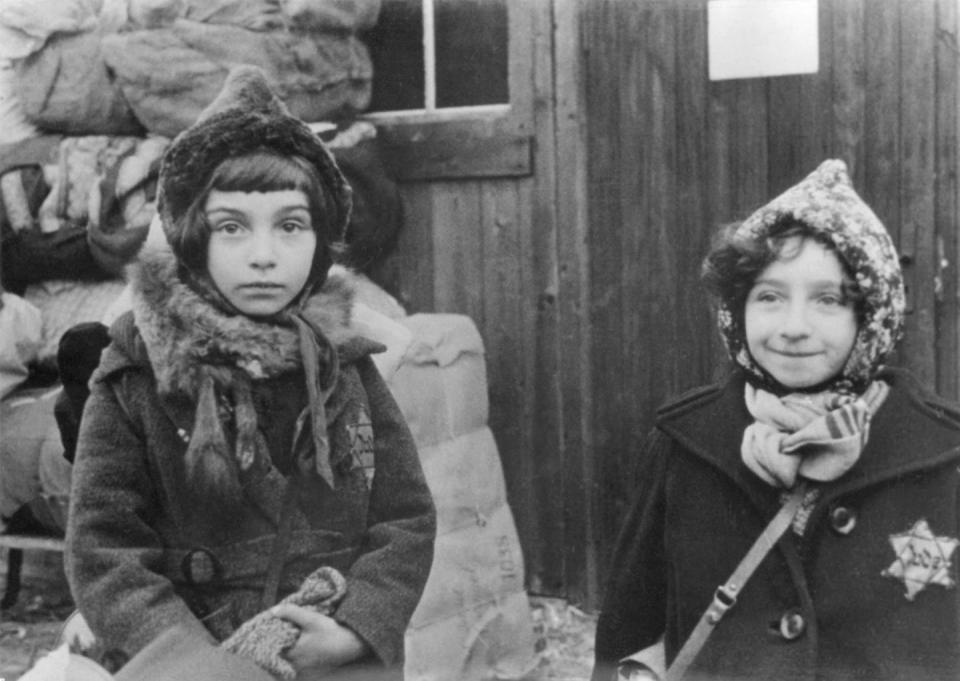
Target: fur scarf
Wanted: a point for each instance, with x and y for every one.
(210, 357)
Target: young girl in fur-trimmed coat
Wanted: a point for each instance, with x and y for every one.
(862, 584)
(239, 446)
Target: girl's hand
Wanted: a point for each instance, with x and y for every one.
(324, 643)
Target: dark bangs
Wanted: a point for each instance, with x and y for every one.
(267, 171)
(262, 171)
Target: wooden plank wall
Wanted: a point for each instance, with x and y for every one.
(583, 278)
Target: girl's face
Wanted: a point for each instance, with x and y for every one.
(261, 247)
(799, 325)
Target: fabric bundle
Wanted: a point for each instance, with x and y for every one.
(131, 66)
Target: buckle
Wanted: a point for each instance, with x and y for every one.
(724, 598)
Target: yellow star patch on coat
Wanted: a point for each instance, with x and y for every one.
(922, 559)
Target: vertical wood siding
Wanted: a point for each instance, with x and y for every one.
(583, 278)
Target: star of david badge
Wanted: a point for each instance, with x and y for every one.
(921, 559)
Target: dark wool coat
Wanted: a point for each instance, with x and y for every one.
(818, 607)
(144, 554)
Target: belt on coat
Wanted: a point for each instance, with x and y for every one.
(250, 559)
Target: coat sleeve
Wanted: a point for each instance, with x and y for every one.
(112, 552)
(634, 606)
(385, 583)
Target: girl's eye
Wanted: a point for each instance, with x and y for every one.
(831, 299)
(293, 226)
(227, 227)
(766, 297)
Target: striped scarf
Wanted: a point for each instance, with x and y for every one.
(818, 436)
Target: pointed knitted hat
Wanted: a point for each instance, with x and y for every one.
(826, 203)
(246, 116)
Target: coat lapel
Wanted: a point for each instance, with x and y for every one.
(909, 433)
(710, 425)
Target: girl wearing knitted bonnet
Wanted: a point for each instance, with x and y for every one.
(239, 448)
(799, 520)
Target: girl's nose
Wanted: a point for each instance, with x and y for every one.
(262, 253)
(795, 322)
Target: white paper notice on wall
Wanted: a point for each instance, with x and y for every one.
(761, 38)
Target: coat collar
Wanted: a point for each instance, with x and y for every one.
(913, 430)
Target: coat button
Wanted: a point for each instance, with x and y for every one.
(843, 520)
(200, 566)
(792, 625)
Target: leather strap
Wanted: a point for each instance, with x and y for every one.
(726, 594)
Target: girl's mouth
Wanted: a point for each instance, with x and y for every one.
(795, 355)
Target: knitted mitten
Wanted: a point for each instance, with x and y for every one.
(264, 637)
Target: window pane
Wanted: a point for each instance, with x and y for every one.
(471, 48)
(396, 46)
(470, 38)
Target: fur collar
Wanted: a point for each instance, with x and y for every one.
(183, 333)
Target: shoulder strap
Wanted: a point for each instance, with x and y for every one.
(726, 594)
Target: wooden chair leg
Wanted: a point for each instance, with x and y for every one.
(12, 591)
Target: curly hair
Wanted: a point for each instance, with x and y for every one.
(734, 263)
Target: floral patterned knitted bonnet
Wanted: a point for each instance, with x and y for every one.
(826, 202)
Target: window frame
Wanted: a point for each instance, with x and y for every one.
(469, 142)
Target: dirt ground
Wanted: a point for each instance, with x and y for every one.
(30, 628)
